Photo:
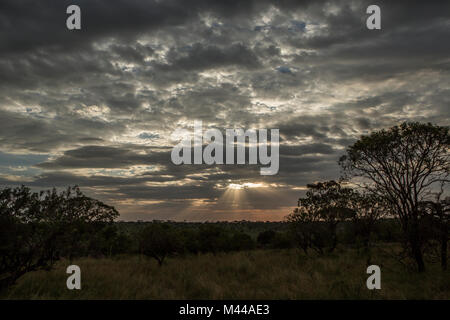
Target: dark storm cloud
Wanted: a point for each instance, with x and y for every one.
(22, 131)
(40, 23)
(294, 159)
(97, 157)
(29, 25)
(315, 148)
(18, 131)
(210, 57)
(96, 107)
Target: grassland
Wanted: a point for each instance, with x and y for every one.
(258, 274)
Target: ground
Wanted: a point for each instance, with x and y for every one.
(257, 274)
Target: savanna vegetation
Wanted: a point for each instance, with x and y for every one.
(254, 274)
(390, 209)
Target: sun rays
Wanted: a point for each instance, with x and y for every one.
(240, 195)
(236, 186)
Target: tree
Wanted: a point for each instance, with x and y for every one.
(439, 213)
(35, 227)
(158, 240)
(314, 222)
(368, 209)
(402, 165)
(80, 219)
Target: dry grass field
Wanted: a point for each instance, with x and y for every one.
(258, 274)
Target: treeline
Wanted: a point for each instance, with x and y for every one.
(150, 238)
(39, 228)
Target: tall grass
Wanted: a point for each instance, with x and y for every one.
(259, 274)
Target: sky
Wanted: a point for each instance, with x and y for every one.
(96, 107)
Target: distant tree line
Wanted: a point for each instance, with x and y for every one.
(38, 229)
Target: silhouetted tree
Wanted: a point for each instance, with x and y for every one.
(368, 209)
(402, 165)
(158, 240)
(439, 213)
(314, 222)
(36, 227)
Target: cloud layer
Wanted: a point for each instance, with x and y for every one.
(96, 107)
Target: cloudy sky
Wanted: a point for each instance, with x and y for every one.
(96, 107)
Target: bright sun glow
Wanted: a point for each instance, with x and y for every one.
(236, 186)
(239, 195)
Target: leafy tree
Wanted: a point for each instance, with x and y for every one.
(158, 240)
(36, 227)
(107, 240)
(402, 165)
(368, 209)
(439, 213)
(314, 222)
